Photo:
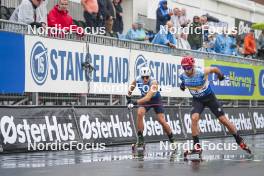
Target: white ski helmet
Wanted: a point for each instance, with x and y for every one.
(145, 71)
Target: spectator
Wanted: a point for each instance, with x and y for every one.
(227, 44)
(90, 13)
(118, 22)
(250, 44)
(106, 9)
(132, 33)
(220, 42)
(166, 37)
(195, 34)
(210, 45)
(261, 45)
(183, 20)
(205, 28)
(175, 19)
(183, 42)
(231, 44)
(44, 11)
(141, 34)
(59, 15)
(109, 27)
(163, 14)
(110, 9)
(28, 12)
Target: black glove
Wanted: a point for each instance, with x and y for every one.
(221, 77)
(182, 87)
(128, 99)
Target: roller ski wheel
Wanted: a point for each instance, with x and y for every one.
(138, 148)
(193, 155)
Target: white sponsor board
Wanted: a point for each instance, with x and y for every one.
(111, 70)
(165, 68)
(56, 66)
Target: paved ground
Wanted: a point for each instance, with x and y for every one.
(115, 161)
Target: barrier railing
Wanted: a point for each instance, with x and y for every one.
(108, 41)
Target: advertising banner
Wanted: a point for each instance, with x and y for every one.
(28, 129)
(208, 124)
(242, 120)
(257, 114)
(50, 128)
(12, 63)
(165, 68)
(115, 126)
(243, 82)
(51, 63)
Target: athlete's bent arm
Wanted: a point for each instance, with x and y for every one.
(150, 94)
(215, 70)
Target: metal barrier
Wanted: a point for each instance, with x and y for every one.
(64, 99)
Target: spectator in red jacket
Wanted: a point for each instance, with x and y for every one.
(250, 44)
(59, 17)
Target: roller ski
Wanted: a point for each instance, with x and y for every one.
(138, 149)
(194, 154)
(244, 147)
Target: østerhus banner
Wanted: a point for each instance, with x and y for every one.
(22, 128)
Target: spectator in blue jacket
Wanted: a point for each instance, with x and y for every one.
(141, 33)
(166, 37)
(225, 44)
(132, 33)
(162, 14)
(231, 45)
(220, 43)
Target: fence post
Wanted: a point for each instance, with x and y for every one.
(35, 97)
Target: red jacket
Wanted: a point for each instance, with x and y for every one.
(249, 44)
(56, 16)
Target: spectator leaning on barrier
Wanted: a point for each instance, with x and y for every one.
(261, 45)
(210, 45)
(162, 14)
(141, 34)
(132, 33)
(165, 37)
(90, 12)
(220, 42)
(250, 44)
(59, 17)
(109, 27)
(28, 12)
(182, 42)
(195, 34)
(118, 21)
(231, 44)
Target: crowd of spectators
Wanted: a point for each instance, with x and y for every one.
(109, 14)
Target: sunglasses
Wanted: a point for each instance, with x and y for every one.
(187, 67)
(143, 77)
